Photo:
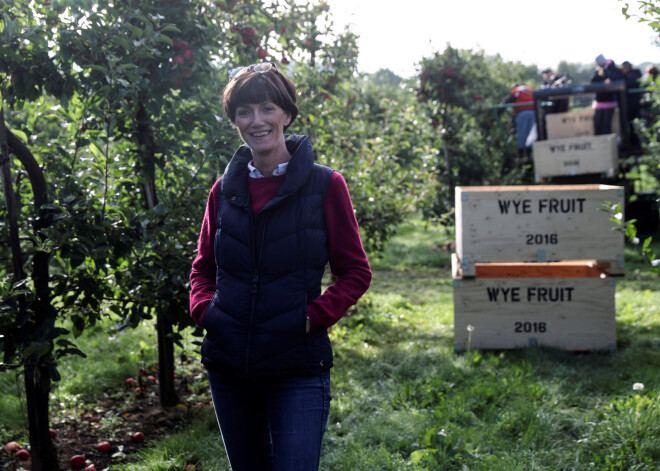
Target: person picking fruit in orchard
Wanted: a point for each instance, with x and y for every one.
(523, 117)
(273, 221)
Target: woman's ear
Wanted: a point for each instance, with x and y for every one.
(288, 119)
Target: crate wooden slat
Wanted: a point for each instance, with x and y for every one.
(537, 223)
(507, 313)
(576, 156)
(563, 269)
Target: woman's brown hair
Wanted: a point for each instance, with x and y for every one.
(251, 87)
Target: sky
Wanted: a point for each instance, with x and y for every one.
(397, 34)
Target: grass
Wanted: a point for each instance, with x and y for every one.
(403, 399)
(200, 444)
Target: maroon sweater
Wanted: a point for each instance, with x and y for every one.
(348, 261)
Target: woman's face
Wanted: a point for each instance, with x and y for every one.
(261, 126)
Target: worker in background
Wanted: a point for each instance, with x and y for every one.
(649, 80)
(650, 75)
(605, 102)
(632, 77)
(523, 117)
(552, 80)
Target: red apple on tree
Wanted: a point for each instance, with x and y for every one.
(262, 53)
(23, 455)
(130, 382)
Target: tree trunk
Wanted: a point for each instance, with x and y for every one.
(10, 199)
(448, 162)
(37, 391)
(168, 396)
(37, 378)
(146, 145)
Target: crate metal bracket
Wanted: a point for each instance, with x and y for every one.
(540, 256)
(621, 260)
(465, 264)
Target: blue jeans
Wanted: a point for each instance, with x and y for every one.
(274, 424)
(524, 123)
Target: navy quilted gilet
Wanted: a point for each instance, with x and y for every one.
(269, 266)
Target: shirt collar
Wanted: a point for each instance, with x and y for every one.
(255, 173)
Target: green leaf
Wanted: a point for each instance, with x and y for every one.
(170, 27)
(123, 42)
(418, 455)
(165, 39)
(98, 68)
(53, 373)
(647, 244)
(20, 134)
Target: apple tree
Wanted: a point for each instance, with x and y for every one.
(30, 339)
(118, 105)
(73, 79)
(458, 89)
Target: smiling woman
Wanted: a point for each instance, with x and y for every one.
(273, 221)
(262, 126)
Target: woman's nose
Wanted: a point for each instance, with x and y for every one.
(257, 118)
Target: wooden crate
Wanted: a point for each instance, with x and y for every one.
(576, 156)
(575, 124)
(506, 313)
(537, 223)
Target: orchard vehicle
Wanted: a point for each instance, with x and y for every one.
(624, 167)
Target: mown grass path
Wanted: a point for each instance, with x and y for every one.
(403, 399)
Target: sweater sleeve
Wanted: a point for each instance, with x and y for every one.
(202, 275)
(348, 260)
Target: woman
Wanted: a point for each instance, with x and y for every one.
(272, 222)
(605, 102)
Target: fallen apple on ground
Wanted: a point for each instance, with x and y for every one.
(138, 437)
(12, 447)
(77, 461)
(104, 447)
(23, 455)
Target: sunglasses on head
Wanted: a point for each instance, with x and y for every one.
(261, 67)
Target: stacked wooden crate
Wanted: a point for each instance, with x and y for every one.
(535, 266)
(572, 148)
